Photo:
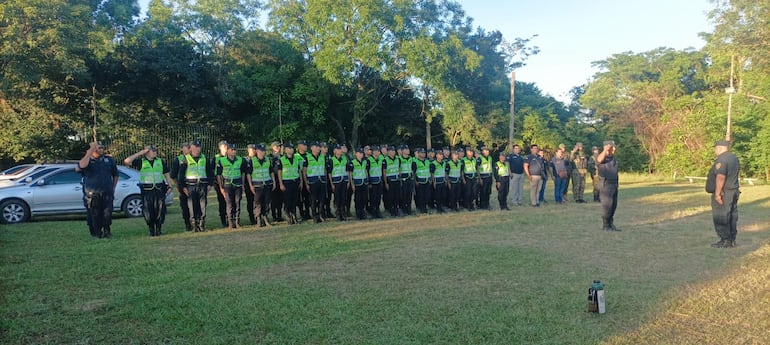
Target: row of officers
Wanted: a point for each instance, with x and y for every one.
(285, 182)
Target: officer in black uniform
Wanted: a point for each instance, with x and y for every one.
(326, 203)
(360, 181)
(423, 173)
(196, 173)
(376, 173)
(182, 196)
(440, 185)
(276, 203)
(290, 179)
(231, 172)
(607, 167)
(722, 183)
(340, 173)
(471, 179)
(221, 200)
(251, 153)
(100, 176)
(262, 182)
(304, 193)
(154, 184)
(390, 171)
(406, 175)
(314, 175)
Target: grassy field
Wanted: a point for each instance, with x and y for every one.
(486, 277)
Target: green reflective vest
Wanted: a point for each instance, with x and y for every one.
(423, 171)
(260, 170)
(196, 170)
(502, 169)
(375, 166)
(485, 168)
(316, 168)
(440, 172)
(339, 169)
(405, 166)
(290, 169)
(231, 171)
(470, 166)
(392, 169)
(359, 172)
(151, 173)
(455, 169)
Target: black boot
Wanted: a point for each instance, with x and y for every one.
(157, 230)
(202, 225)
(107, 232)
(612, 225)
(194, 225)
(605, 224)
(152, 230)
(265, 221)
(187, 225)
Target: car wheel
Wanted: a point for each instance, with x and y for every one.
(14, 211)
(132, 206)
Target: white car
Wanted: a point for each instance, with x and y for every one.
(56, 189)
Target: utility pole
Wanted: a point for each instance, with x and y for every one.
(730, 91)
(511, 124)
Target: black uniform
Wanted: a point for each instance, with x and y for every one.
(304, 193)
(182, 196)
(440, 184)
(375, 186)
(292, 185)
(340, 185)
(153, 196)
(316, 187)
(471, 187)
(276, 201)
(725, 215)
(423, 185)
(198, 187)
(263, 188)
(233, 189)
(99, 193)
(407, 183)
(221, 201)
(393, 192)
(361, 187)
(608, 189)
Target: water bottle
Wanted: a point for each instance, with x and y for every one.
(598, 288)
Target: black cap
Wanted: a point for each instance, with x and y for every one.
(440, 152)
(391, 148)
(324, 144)
(404, 146)
(196, 143)
(260, 147)
(338, 147)
(420, 150)
(431, 150)
(594, 148)
(447, 148)
(724, 143)
(288, 146)
(231, 146)
(315, 143)
(468, 148)
(251, 146)
(302, 142)
(223, 142)
(375, 148)
(360, 150)
(152, 148)
(459, 150)
(484, 148)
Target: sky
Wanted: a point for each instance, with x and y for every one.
(573, 34)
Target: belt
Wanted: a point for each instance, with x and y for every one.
(196, 181)
(375, 180)
(404, 177)
(454, 179)
(485, 175)
(292, 180)
(151, 186)
(470, 175)
(359, 182)
(393, 178)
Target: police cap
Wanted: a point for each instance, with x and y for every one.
(360, 150)
(391, 148)
(302, 142)
(375, 148)
(315, 143)
(288, 146)
(260, 147)
(196, 143)
(231, 146)
(251, 146)
(609, 142)
(724, 143)
(484, 148)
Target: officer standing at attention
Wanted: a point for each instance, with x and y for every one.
(221, 154)
(580, 162)
(251, 152)
(570, 167)
(182, 196)
(262, 182)
(440, 170)
(502, 172)
(376, 163)
(100, 176)
(406, 174)
(544, 174)
(607, 166)
(516, 163)
(340, 170)
(486, 163)
(290, 180)
(314, 174)
(533, 167)
(592, 170)
(327, 201)
(360, 181)
(390, 167)
(304, 194)
(471, 179)
(722, 183)
(276, 203)
(423, 172)
(559, 165)
(195, 175)
(231, 172)
(154, 184)
(455, 176)
(349, 200)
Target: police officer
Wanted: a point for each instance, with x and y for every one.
(349, 195)
(196, 173)
(304, 194)
(534, 167)
(502, 173)
(423, 172)
(231, 172)
(516, 163)
(607, 166)
(100, 176)
(327, 203)
(391, 170)
(154, 184)
(182, 196)
(471, 179)
(262, 182)
(221, 200)
(580, 162)
(440, 185)
(544, 174)
(340, 170)
(251, 153)
(314, 175)
(360, 180)
(486, 163)
(722, 183)
(376, 163)
(592, 170)
(290, 179)
(406, 168)
(276, 201)
(455, 176)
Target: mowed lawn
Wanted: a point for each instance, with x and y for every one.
(485, 277)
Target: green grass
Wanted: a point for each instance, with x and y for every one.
(486, 277)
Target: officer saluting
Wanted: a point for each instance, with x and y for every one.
(154, 184)
(100, 176)
(607, 166)
(195, 175)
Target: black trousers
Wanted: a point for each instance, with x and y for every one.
(249, 204)
(422, 196)
(340, 198)
(327, 203)
(440, 195)
(485, 192)
(233, 201)
(726, 215)
(470, 192)
(502, 192)
(375, 199)
(362, 200)
(317, 197)
(99, 209)
(393, 197)
(262, 196)
(291, 196)
(154, 206)
(453, 196)
(608, 195)
(304, 202)
(276, 203)
(197, 202)
(407, 192)
(185, 209)
(222, 205)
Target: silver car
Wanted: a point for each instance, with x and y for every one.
(56, 189)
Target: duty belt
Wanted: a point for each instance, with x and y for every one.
(439, 180)
(234, 182)
(359, 182)
(422, 180)
(392, 178)
(262, 183)
(375, 180)
(151, 186)
(454, 179)
(338, 179)
(315, 179)
(470, 176)
(405, 177)
(485, 175)
(197, 181)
